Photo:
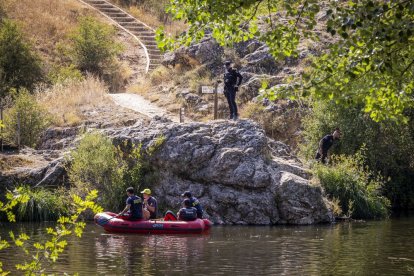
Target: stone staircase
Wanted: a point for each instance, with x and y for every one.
(143, 33)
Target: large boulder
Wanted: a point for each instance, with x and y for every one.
(239, 175)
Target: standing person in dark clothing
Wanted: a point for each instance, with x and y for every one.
(150, 205)
(232, 80)
(194, 203)
(188, 213)
(325, 144)
(133, 208)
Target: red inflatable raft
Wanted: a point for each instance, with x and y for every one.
(117, 225)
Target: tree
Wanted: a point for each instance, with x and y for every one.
(19, 66)
(93, 46)
(372, 45)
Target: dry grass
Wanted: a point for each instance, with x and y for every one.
(67, 102)
(8, 162)
(46, 22)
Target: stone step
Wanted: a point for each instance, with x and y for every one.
(144, 33)
(108, 10)
(153, 52)
(144, 36)
(139, 29)
(116, 14)
(148, 40)
(104, 6)
(124, 19)
(132, 24)
(94, 2)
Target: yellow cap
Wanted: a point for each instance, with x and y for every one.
(146, 191)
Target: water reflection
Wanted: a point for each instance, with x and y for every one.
(368, 248)
(149, 253)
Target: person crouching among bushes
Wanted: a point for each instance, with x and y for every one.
(188, 213)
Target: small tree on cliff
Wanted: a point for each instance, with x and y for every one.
(19, 65)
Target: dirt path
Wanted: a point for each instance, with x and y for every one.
(141, 105)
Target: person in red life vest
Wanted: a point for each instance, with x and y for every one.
(188, 213)
(133, 208)
(150, 205)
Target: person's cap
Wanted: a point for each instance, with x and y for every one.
(186, 193)
(227, 62)
(146, 191)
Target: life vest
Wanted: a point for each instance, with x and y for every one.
(187, 214)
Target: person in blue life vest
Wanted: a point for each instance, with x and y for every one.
(133, 208)
(232, 81)
(194, 203)
(325, 144)
(187, 213)
(150, 205)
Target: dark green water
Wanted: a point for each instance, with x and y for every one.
(358, 248)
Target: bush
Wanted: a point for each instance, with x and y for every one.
(93, 46)
(63, 75)
(33, 120)
(388, 145)
(19, 66)
(354, 186)
(43, 204)
(97, 164)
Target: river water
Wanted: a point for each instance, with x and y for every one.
(357, 248)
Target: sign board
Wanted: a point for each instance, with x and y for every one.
(210, 90)
(207, 89)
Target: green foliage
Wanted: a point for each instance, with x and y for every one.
(43, 205)
(93, 46)
(388, 145)
(370, 62)
(40, 255)
(98, 164)
(62, 75)
(356, 188)
(19, 66)
(33, 120)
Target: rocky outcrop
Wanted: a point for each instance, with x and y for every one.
(239, 175)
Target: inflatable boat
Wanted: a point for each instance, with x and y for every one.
(112, 224)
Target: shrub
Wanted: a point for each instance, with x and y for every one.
(19, 66)
(93, 46)
(388, 145)
(31, 117)
(43, 204)
(354, 186)
(97, 164)
(63, 75)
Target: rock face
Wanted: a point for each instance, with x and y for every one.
(238, 174)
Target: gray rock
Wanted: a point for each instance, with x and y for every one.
(239, 175)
